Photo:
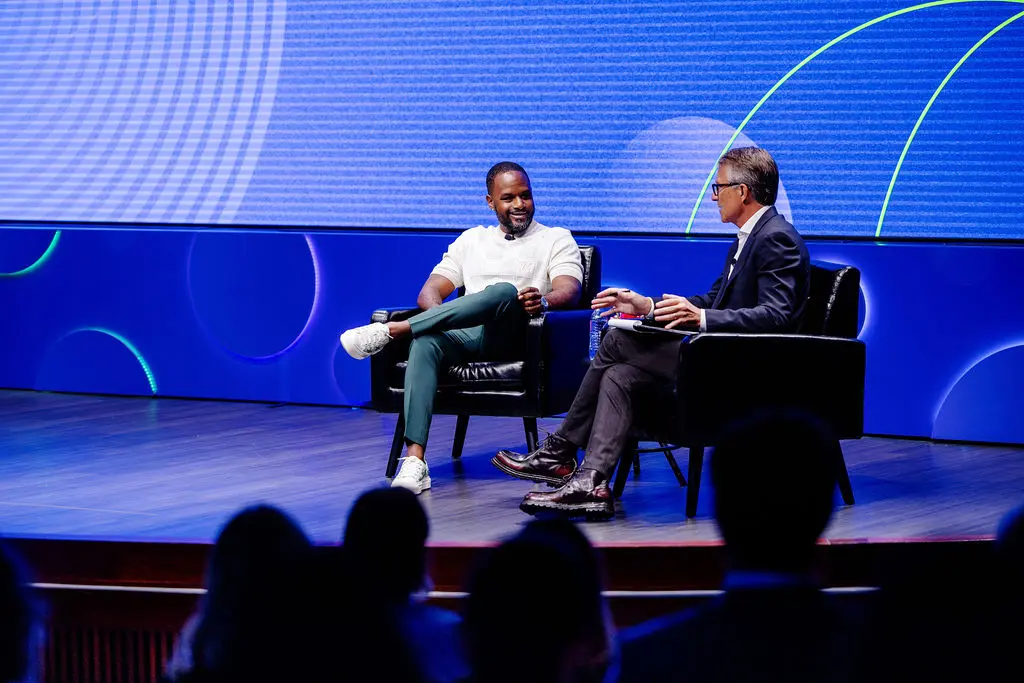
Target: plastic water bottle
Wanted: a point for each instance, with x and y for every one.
(597, 325)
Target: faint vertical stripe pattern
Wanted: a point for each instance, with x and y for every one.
(135, 110)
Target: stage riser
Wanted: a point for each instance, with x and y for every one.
(628, 568)
(113, 609)
(110, 637)
(91, 655)
(127, 637)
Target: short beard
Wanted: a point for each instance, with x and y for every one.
(514, 229)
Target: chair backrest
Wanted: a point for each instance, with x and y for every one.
(590, 257)
(833, 305)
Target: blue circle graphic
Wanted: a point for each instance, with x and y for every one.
(256, 294)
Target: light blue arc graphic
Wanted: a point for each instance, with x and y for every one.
(927, 108)
(39, 261)
(127, 344)
(978, 360)
(804, 62)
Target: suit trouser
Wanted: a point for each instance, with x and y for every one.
(626, 365)
(487, 324)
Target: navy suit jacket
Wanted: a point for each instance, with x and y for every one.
(769, 286)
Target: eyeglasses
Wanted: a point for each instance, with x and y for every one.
(717, 187)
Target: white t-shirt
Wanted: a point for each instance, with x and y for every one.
(482, 256)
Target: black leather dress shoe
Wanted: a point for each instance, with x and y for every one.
(586, 494)
(553, 462)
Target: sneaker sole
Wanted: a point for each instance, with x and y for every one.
(539, 478)
(417, 490)
(594, 512)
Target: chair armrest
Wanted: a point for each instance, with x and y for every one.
(382, 364)
(722, 376)
(388, 315)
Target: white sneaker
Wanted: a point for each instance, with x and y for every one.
(365, 340)
(413, 475)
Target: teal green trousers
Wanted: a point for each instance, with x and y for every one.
(489, 324)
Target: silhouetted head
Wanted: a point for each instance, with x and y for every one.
(18, 617)
(774, 475)
(256, 578)
(259, 543)
(385, 541)
(543, 587)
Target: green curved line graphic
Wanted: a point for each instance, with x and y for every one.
(39, 261)
(128, 345)
(806, 60)
(927, 108)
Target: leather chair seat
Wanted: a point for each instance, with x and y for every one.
(477, 376)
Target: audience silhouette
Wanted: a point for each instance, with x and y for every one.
(20, 633)
(535, 610)
(385, 548)
(774, 477)
(251, 622)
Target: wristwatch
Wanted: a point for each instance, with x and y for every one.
(544, 305)
(650, 313)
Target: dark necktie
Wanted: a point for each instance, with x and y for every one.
(727, 272)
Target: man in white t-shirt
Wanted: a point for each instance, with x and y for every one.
(510, 272)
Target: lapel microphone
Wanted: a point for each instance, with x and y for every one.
(509, 236)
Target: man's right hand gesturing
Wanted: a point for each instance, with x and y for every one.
(621, 301)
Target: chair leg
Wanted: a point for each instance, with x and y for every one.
(636, 464)
(530, 425)
(695, 466)
(843, 476)
(396, 447)
(461, 425)
(629, 454)
(672, 463)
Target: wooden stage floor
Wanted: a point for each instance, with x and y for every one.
(133, 469)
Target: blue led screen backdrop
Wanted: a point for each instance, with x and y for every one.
(893, 119)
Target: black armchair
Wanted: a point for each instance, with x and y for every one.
(543, 383)
(723, 376)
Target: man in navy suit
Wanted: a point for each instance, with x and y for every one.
(763, 288)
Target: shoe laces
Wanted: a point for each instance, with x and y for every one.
(419, 469)
(378, 334)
